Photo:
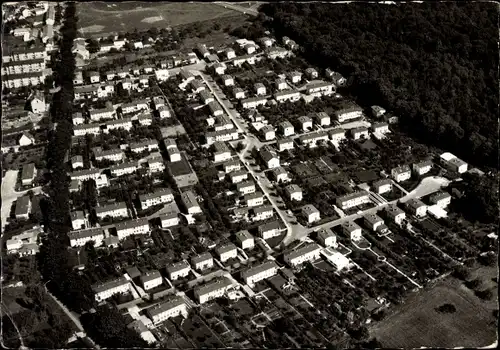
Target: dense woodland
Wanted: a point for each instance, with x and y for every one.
(434, 64)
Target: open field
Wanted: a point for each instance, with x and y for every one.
(416, 323)
(100, 19)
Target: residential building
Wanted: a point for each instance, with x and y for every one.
(160, 196)
(254, 199)
(353, 200)
(305, 122)
(395, 214)
(231, 165)
(270, 229)
(283, 96)
(293, 192)
(268, 133)
(321, 88)
(373, 221)
(104, 113)
(380, 128)
(360, 133)
(123, 169)
(106, 290)
(28, 174)
(151, 279)
(132, 227)
(284, 145)
(167, 309)
(138, 147)
(295, 77)
(266, 42)
(262, 212)
(215, 109)
(169, 219)
(286, 128)
(178, 270)
(311, 73)
(377, 111)
(348, 113)
(416, 207)
(246, 187)
(310, 213)
(206, 97)
(401, 173)
(84, 129)
(37, 103)
(270, 157)
(281, 84)
(238, 176)
(78, 118)
(202, 261)
(86, 174)
(155, 164)
(337, 135)
(221, 152)
(124, 123)
(259, 272)
(197, 86)
(114, 155)
(351, 229)
(227, 80)
(275, 52)
(441, 199)
(145, 119)
(79, 238)
(422, 168)
(114, 210)
(135, 106)
(212, 290)
(280, 175)
(245, 239)
(77, 162)
(26, 139)
(226, 252)
(164, 112)
(382, 186)
(336, 77)
(253, 102)
(327, 238)
(308, 252)
(78, 220)
(260, 89)
(453, 163)
(322, 119)
(174, 154)
(311, 140)
(230, 53)
(190, 203)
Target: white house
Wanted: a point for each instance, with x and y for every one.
(284, 145)
(322, 119)
(160, 196)
(227, 80)
(327, 238)
(114, 155)
(253, 102)
(26, 139)
(246, 187)
(238, 176)
(156, 164)
(380, 128)
(245, 239)
(169, 219)
(321, 88)
(138, 147)
(178, 270)
(78, 220)
(165, 310)
(382, 186)
(262, 212)
(259, 272)
(352, 230)
(226, 252)
(79, 238)
(114, 210)
(38, 104)
(132, 227)
(310, 213)
(268, 133)
(353, 200)
(395, 214)
(286, 128)
(78, 118)
(295, 77)
(260, 89)
(441, 199)
(308, 252)
(283, 96)
(422, 168)
(348, 113)
(305, 122)
(77, 162)
(280, 175)
(270, 157)
(221, 152)
(202, 261)
(190, 203)
(373, 221)
(212, 290)
(401, 173)
(123, 169)
(312, 139)
(253, 199)
(359, 133)
(164, 112)
(270, 229)
(151, 279)
(337, 135)
(453, 163)
(416, 207)
(106, 290)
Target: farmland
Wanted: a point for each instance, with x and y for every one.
(100, 19)
(417, 323)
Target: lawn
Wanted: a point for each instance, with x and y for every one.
(417, 324)
(100, 18)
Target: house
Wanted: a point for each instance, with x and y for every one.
(270, 229)
(151, 279)
(441, 199)
(77, 162)
(268, 133)
(135, 106)
(37, 103)
(308, 252)
(380, 128)
(238, 93)
(422, 168)
(293, 192)
(281, 84)
(106, 290)
(311, 73)
(103, 113)
(144, 80)
(226, 252)
(312, 139)
(79, 238)
(305, 122)
(284, 145)
(337, 135)
(270, 157)
(280, 175)
(353, 200)
(359, 133)
(145, 119)
(78, 220)
(453, 163)
(238, 176)
(139, 147)
(160, 196)
(416, 207)
(401, 173)
(286, 128)
(23, 207)
(373, 221)
(28, 174)
(377, 111)
(275, 52)
(245, 239)
(78, 118)
(123, 169)
(246, 187)
(155, 163)
(114, 210)
(336, 77)
(78, 78)
(162, 74)
(202, 261)
(169, 218)
(212, 290)
(260, 89)
(327, 238)
(253, 102)
(262, 212)
(231, 165)
(351, 229)
(254, 199)
(164, 112)
(230, 53)
(197, 86)
(259, 272)
(295, 77)
(395, 214)
(178, 270)
(223, 122)
(322, 119)
(163, 311)
(190, 203)
(320, 88)
(202, 50)
(221, 152)
(310, 213)
(249, 48)
(227, 80)
(26, 139)
(174, 154)
(132, 227)
(87, 174)
(283, 96)
(215, 109)
(114, 155)
(124, 123)
(348, 113)
(382, 186)
(291, 44)
(219, 68)
(93, 77)
(186, 76)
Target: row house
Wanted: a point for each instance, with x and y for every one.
(106, 290)
(310, 213)
(167, 309)
(132, 227)
(139, 147)
(401, 173)
(178, 270)
(270, 229)
(352, 230)
(20, 67)
(135, 106)
(212, 290)
(12, 81)
(114, 210)
(349, 113)
(80, 237)
(104, 113)
(215, 109)
(226, 251)
(353, 200)
(309, 252)
(190, 203)
(145, 119)
(259, 272)
(312, 139)
(422, 168)
(238, 176)
(262, 212)
(253, 102)
(124, 123)
(382, 186)
(158, 101)
(24, 54)
(284, 145)
(319, 89)
(245, 239)
(202, 261)
(223, 122)
(359, 133)
(86, 174)
(206, 97)
(123, 169)
(156, 164)
(293, 192)
(161, 196)
(284, 96)
(151, 279)
(221, 135)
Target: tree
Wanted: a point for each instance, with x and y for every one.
(93, 46)
(446, 308)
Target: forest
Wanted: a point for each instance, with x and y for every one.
(434, 64)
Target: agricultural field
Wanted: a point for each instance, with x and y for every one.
(417, 323)
(101, 19)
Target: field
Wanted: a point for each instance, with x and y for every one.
(101, 19)
(417, 324)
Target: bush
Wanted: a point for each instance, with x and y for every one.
(473, 284)
(446, 308)
(486, 294)
(460, 272)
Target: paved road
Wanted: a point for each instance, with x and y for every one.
(245, 10)
(73, 318)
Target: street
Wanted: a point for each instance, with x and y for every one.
(246, 10)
